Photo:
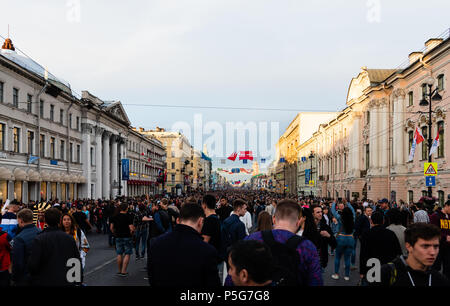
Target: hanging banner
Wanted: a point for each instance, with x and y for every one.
(307, 176)
(125, 169)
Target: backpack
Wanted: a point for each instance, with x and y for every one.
(286, 260)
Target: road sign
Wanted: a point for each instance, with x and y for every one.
(430, 181)
(430, 169)
(311, 183)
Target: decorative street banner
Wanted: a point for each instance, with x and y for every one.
(125, 169)
(307, 176)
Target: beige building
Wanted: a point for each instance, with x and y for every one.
(298, 131)
(178, 160)
(363, 151)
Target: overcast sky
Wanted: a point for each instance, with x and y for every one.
(252, 53)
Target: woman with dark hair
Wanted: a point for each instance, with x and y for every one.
(264, 222)
(308, 228)
(345, 240)
(69, 225)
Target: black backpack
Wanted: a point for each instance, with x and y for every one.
(286, 260)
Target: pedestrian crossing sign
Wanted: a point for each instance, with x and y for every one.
(311, 183)
(430, 169)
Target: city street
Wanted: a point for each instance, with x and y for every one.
(101, 267)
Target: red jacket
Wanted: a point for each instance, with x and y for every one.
(5, 251)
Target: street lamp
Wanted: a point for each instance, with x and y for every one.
(432, 95)
(311, 156)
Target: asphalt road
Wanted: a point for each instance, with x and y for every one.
(101, 267)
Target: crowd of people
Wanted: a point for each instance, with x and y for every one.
(230, 238)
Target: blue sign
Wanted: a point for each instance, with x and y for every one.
(53, 162)
(32, 159)
(430, 181)
(307, 176)
(125, 169)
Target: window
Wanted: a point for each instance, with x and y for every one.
(71, 152)
(368, 117)
(52, 112)
(15, 97)
(424, 143)
(172, 153)
(16, 135)
(78, 154)
(367, 157)
(441, 197)
(424, 193)
(441, 147)
(61, 116)
(440, 82)
(424, 91)
(29, 103)
(2, 136)
(173, 165)
(345, 162)
(78, 123)
(42, 145)
(410, 98)
(30, 142)
(410, 196)
(173, 177)
(62, 149)
(41, 108)
(70, 120)
(410, 139)
(52, 147)
(2, 85)
(92, 157)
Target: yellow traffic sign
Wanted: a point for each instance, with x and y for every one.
(430, 169)
(311, 183)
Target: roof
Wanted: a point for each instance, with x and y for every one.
(379, 75)
(9, 52)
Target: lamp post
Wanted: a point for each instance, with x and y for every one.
(428, 97)
(311, 156)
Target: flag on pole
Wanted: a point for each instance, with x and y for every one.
(435, 145)
(246, 155)
(418, 138)
(233, 156)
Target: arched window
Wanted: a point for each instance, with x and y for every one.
(410, 140)
(424, 143)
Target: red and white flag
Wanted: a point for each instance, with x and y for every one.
(435, 145)
(418, 138)
(246, 155)
(233, 156)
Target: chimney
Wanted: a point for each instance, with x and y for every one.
(432, 42)
(414, 56)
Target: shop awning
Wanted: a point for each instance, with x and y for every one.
(6, 174)
(20, 175)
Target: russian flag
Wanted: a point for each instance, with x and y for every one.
(435, 145)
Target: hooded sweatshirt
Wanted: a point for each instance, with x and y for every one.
(442, 221)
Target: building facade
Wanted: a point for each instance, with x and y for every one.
(54, 145)
(363, 152)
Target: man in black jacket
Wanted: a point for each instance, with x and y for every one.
(50, 254)
(326, 235)
(379, 243)
(181, 257)
(362, 224)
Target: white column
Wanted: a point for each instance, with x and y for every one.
(356, 146)
(401, 158)
(25, 195)
(395, 132)
(373, 137)
(114, 164)
(106, 175)
(98, 163)
(86, 160)
(11, 190)
(384, 135)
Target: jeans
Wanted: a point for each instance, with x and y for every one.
(345, 246)
(124, 246)
(141, 239)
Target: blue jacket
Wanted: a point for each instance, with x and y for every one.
(338, 216)
(21, 250)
